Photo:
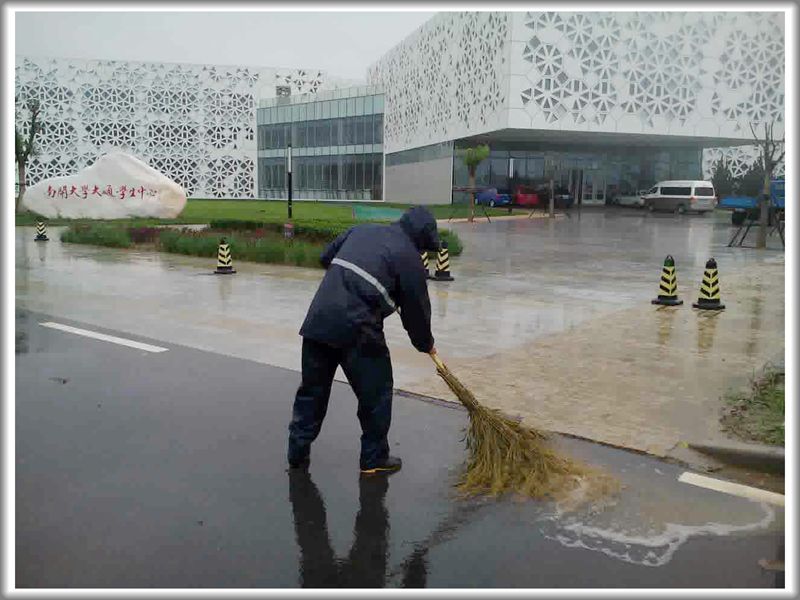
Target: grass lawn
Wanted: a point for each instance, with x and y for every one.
(758, 414)
(203, 211)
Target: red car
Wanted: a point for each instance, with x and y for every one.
(526, 196)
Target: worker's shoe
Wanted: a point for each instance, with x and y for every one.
(391, 465)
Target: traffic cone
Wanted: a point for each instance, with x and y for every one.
(424, 257)
(41, 232)
(709, 289)
(224, 261)
(443, 264)
(668, 286)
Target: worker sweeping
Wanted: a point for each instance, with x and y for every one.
(373, 270)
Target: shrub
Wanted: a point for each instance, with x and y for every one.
(141, 235)
(316, 230)
(113, 237)
(454, 245)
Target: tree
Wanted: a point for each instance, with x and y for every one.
(722, 178)
(771, 156)
(752, 182)
(24, 146)
(472, 157)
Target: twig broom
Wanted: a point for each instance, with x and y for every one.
(505, 456)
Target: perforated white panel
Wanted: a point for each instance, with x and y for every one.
(194, 123)
(447, 80)
(683, 73)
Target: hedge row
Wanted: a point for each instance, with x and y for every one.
(318, 230)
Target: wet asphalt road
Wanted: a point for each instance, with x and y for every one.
(136, 469)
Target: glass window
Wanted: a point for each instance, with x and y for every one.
(296, 112)
(349, 172)
(323, 133)
(378, 104)
(482, 174)
(534, 168)
(342, 107)
(324, 183)
(499, 172)
(676, 191)
(360, 105)
(351, 107)
(367, 171)
(369, 129)
(359, 172)
(334, 109)
(310, 135)
(378, 129)
(377, 176)
(326, 110)
(334, 172)
(369, 103)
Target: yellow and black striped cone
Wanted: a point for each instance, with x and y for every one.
(41, 232)
(709, 289)
(443, 265)
(424, 257)
(668, 286)
(224, 260)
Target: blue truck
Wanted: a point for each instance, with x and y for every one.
(744, 207)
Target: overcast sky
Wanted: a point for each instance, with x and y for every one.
(341, 43)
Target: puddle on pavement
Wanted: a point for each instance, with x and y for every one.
(648, 522)
(651, 547)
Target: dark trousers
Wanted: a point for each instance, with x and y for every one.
(368, 368)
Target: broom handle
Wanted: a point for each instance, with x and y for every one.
(435, 357)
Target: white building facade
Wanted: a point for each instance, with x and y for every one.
(603, 102)
(573, 89)
(194, 123)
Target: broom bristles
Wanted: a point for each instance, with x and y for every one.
(506, 456)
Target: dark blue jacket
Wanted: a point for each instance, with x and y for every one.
(374, 270)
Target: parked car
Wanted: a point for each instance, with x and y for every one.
(562, 197)
(490, 197)
(526, 196)
(538, 196)
(630, 199)
(681, 196)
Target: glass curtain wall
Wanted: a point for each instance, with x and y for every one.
(596, 176)
(337, 148)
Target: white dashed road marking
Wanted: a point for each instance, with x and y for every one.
(735, 489)
(104, 337)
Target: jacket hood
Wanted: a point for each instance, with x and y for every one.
(418, 224)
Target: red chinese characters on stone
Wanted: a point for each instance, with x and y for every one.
(84, 191)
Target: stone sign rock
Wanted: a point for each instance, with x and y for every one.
(116, 186)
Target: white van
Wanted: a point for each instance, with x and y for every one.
(681, 196)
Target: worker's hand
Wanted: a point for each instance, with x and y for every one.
(433, 351)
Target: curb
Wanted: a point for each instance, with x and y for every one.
(770, 458)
